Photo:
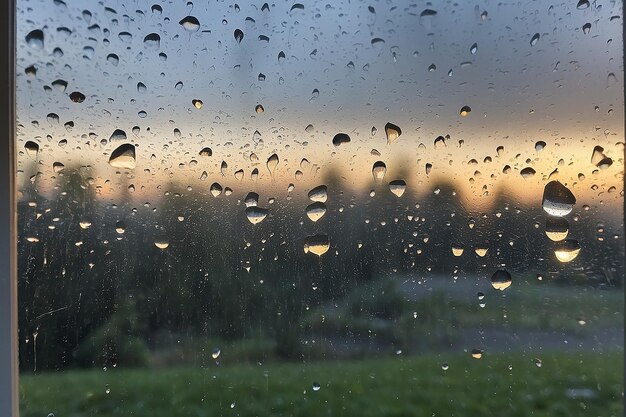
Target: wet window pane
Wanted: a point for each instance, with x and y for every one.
(320, 208)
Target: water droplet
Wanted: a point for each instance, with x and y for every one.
(113, 59)
(316, 386)
(340, 139)
(317, 244)
(197, 103)
(582, 4)
(440, 142)
(216, 189)
(393, 132)
(216, 353)
(272, 163)
(534, 39)
(432, 68)
(256, 214)
(599, 159)
(397, 187)
(238, 35)
(501, 280)
(259, 108)
(586, 28)
(32, 148)
(34, 39)
(477, 353)
(205, 152)
(152, 41)
(567, 250)
(457, 250)
(527, 172)
(379, 170)
(319, 194)
(190, 23)
(251, 200)
(539, 146)
(445, 366)
(429, 167)
(465, 110)
(77, 97)
(556, 229)
(482, 252)
(538, 363)
(123, 157)
(316, 211)
(60, 85)
(161, 244)
(473, 48)
(120, 227)
(558, 200)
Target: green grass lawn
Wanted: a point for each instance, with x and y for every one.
(496, 385)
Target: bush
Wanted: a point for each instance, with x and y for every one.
(114, 343)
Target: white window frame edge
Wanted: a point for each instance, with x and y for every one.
(8, 218)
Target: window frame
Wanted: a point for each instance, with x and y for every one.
(8, 219)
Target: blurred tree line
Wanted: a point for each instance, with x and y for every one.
(96, 297)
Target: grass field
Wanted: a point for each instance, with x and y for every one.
(568, 385)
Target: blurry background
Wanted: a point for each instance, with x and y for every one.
(302, 208)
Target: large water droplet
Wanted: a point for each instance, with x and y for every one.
(238, 35)
(190, 23)
(205, 152)
(123, 157)
(252, 199)
(534, 39)
(527, 172)
(319, 194)
(152, 41)
(216, 189)
(379, 170)
(317, 244)
(161, 244)
(60, 85)
(393, 132)
(197, 103)
(582, 4)
(482, 252)
(256, 214)
(540, 145)
(316, 211)
(77, 97)
(34, 39)
(32, 148)
(340, 139)
(272, 163)
(397, 187)
(567, 250)
(557, 229)
(558, 200)
(465, 110)
(599, 159)
(477, 353)
(501, 280)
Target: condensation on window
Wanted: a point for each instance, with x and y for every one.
(322, 208)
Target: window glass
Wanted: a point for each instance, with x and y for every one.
(383, 208)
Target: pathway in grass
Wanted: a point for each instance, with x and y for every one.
(496, 385)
